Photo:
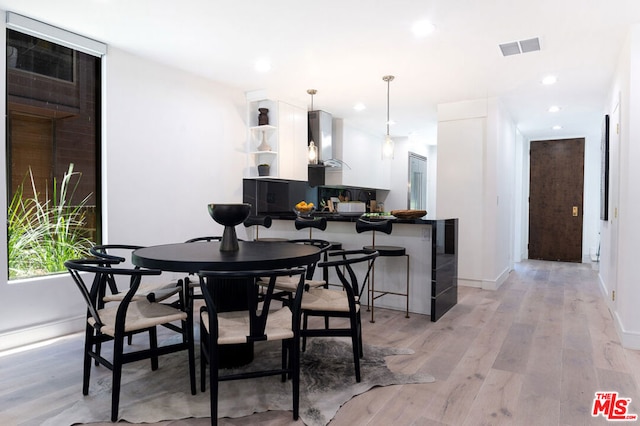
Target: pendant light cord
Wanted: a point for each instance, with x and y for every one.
(312, 92)
(388, 79)
(388, 88)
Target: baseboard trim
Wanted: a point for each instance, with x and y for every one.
(628, 339)
(36, 334)
(466, 282)
(486, 284)
(497, 283)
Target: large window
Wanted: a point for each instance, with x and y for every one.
(53, 148)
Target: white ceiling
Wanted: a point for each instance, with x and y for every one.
(342, 48)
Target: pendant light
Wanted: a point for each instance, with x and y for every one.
(312, 153)
(387, 145)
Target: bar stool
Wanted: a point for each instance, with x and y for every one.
(384, 251)
(259, 221)
(312, 222)
(321, 224)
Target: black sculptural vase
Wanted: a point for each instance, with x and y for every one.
(263, 117)
(229, 215)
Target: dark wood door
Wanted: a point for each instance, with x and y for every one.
(555, 200)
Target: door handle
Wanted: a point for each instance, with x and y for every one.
(575, 211)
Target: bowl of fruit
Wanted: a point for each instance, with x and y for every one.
(304, 209)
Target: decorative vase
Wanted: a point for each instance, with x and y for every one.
(264, 146)
(263, 170)
(229, 215)
(263, 117)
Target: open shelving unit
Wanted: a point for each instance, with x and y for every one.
(259, 136)
(286, 137)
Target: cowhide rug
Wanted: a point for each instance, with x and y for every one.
(327, 382)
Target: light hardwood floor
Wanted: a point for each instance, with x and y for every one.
(533, 352)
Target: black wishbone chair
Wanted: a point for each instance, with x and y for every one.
(153, 291)
(193, 287)
(260, 322)
(117, 320)
(329, 303)
(321, 224)
(286, 286)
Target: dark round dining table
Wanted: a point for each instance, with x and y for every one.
(199, 256)
(193, 257)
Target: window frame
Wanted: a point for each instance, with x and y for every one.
(76, 43)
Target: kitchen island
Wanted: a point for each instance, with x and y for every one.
(431, 243)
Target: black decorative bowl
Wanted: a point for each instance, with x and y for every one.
(229, 215)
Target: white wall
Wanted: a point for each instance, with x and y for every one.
(521, 204)
(628, 271)
(500, 191)
(459, 190)
(475, 183)
(361, 150)
(432, 175)
(620, 235)
(173, 143)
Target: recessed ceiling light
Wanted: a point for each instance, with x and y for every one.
(359, 106)
(550, 79)
(554, 108)
(557, 127)
(263, 65)
(422, 28)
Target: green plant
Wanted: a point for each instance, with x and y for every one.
(43, 233)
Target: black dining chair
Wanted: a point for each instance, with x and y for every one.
(205, 239)
(155, 291)
(286, 286)
(161, 291)
(384, 226)
(319, 223)
(258, 324)
(194, 286)
(330, 303)
(115, 321)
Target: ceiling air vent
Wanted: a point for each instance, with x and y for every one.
(530, 45)
(509, 49)
(522, 46)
